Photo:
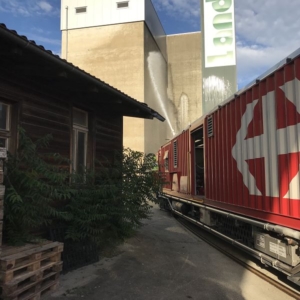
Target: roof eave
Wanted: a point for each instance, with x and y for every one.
(23, 42)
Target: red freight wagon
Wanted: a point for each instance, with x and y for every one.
(236, 170)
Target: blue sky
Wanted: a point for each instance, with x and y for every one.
(266, 30)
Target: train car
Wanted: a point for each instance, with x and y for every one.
(235, 171)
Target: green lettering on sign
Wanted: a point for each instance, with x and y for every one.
(223, 21)
(217, 59)
(223, 38)
(221, 5)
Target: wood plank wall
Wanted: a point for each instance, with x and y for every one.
(41, 113)
(45, 115)
(109, 136)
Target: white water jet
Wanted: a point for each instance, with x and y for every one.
(155, 69)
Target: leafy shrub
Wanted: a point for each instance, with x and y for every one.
(101, 205)
(32, 185)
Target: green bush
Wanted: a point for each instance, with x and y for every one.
(110, 203)
(102, 205)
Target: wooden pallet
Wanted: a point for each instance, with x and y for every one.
(1, 220)
(30, 271)
(1, 226)
(1, 175)
(36, 290)
(23, 270)
(13, 258)
(44, 291)
(10, 250)
(2, 191)
(28, 280)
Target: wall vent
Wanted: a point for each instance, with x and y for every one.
(210, 126)
(80, 10)
(175, 152)
(122, 4)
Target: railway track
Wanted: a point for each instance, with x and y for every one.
(270, 275)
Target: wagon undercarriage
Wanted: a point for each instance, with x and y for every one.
(273, 245)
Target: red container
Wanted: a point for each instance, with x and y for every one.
(174, 162)
(251, 154)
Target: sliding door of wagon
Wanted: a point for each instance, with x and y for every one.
(198, 161)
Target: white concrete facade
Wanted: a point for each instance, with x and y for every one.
(98, 13)
(106, 12)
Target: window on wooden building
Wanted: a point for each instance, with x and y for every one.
(4, 125)
(80, 137)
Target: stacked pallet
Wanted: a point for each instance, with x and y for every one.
(3, 156)
(31, 271)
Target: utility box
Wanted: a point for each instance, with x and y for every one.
(276, 248)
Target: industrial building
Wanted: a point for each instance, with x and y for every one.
(124, 44)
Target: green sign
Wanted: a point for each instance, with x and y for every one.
(219, 52)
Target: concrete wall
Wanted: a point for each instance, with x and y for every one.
(156, 80)
(106, 12)
(185, 77)
(127, 57)
(153, 22)
(115, 54)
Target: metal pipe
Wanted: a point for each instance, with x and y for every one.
(269, 227)
(262, 257)
(283, 230)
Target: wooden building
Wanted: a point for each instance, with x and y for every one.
(45, 94)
